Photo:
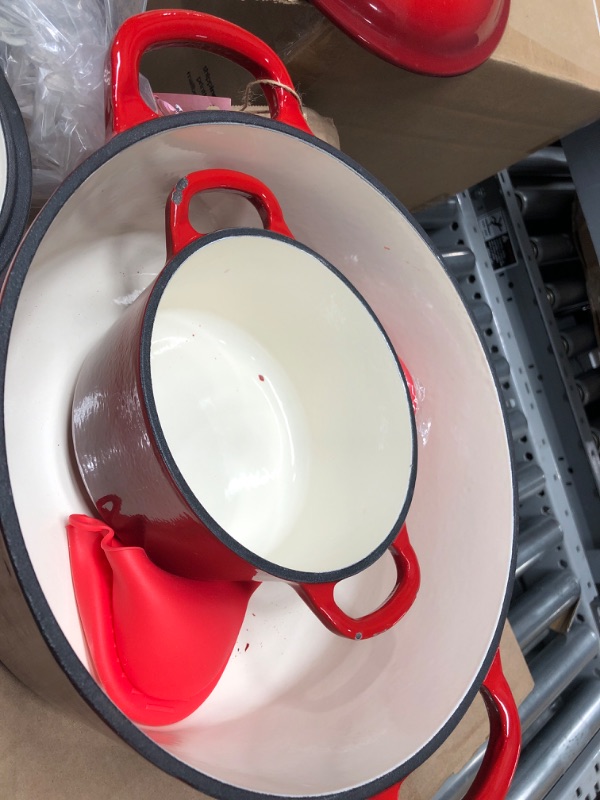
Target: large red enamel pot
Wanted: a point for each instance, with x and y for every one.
(298, 711)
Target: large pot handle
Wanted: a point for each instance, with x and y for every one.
(177, 28)
(496, 772)
(179, 230)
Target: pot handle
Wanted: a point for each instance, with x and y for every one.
(500, 761)
(319, 597)
(497, 769)
(179, 230)
(178, 28)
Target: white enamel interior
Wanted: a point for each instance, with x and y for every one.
(282, 403)
(299, 711)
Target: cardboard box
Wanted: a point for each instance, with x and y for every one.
(429, 137)
(47, 755)
(425, 137)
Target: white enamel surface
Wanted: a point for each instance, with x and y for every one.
(281, 402)
(300, 711)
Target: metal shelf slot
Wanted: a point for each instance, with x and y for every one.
(535, 539)
(582, 779)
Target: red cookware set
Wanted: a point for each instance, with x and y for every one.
(245, 413)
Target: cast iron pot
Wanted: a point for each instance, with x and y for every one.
(298, 712)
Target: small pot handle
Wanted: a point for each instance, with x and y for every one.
(497, 769)
(319, 597)
(179, 230)
(178, 28)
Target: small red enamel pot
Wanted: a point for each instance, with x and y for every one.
(247, 417)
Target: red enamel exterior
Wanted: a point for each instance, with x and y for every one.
(437, 37)
(155, 29)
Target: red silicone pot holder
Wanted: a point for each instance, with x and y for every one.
(158, 643)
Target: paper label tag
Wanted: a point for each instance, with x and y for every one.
(494, 229)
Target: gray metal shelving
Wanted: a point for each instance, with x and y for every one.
(485, 243)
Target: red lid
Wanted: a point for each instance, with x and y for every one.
(436, 37)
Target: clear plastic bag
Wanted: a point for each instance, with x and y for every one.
(54, 53)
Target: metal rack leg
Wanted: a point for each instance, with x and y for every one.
(557, 746)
